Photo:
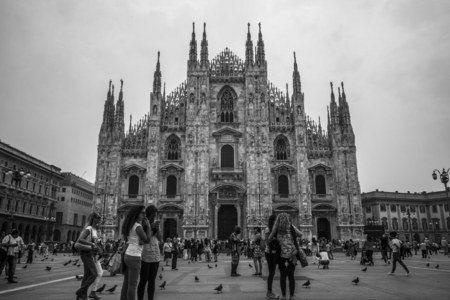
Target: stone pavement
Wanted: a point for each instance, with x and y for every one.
(425, 282)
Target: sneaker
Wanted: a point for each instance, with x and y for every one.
(408, 274)
(271, 296)
(390, 273)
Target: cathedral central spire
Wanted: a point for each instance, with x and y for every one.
(249, 48)
(193, 48)
(260, 55)
(204, 50)
(157, 79)
(297, 86)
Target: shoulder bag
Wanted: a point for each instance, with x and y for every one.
(301, 256)
(82, 247)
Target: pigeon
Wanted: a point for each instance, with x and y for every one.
(52, 259)
(162, 286)
(219, 289)
(356, 280)
(437, 267)
(111, 290)
(365, 269)
(306, 284)
(428, 264)
(250, 265)
(215, 266)
(160, 276)
(64, 255)
(48, 268)
(209, 267)
(79, 277)
(101, 289)
(196, 279)
(75, 263)
(189, 262)
(24, 267)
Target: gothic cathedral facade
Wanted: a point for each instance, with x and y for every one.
(229, 148)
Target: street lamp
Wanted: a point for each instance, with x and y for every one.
(17, 177)
(444, 179)
(409, 214)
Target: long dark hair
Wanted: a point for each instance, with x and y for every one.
(150, 211)
(130, 219)
(272, 219)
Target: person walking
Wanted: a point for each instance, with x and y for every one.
(423, 249)
(20, 249)
(175, 248)
(151, 256)
(30, 250)
(271, 254)
(395, 245)
(258, 250)
(284, 232)
(167, 248)
(235, 243)
(94, 222)
(10, 246)
(134, 234)
(87, 256)
(368, 248)
(444, 245)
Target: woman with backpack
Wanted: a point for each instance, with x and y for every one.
(286, 234)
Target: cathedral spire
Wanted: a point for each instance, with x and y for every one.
(157, 79)
(204, 51)
(249, 48)
(164, 92)
(260, 55)
(119, 123)
(288, 101)
(109, 90)
(193, 49)
(131, 119)
(297, 86)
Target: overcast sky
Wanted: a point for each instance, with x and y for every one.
(56, 58)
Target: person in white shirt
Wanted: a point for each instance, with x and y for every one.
(10, 245)
(395, 245)
(324, 260)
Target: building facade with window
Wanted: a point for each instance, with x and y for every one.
(75, 203)
(226, 148)
(28, 204)
(413, 215)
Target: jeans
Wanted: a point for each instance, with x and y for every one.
(174, 260)
(90, 272)
(369, 254)
(2, 260)
(149, 270)
(11, 261)
(272, 265)
(286, 271)
(99, 275)
(131, 276)
(396, 258)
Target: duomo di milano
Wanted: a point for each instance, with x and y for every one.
(227, 148)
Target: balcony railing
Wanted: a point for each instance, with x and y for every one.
(283, 197)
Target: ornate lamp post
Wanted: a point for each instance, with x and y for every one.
(17, 177)
(444, 179)
(409, 214)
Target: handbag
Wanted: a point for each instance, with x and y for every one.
(82, 247)
(301, 256)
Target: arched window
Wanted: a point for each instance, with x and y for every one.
(281, 148)
(133, 186)
(227, 106)
(171, 188)
(436, 224)
(405, 224)
(320, 185)
(394, 224)
(173, 148)
(424, 224)
(283, 186)
(227, 157)
(415, 226)
(385, 223)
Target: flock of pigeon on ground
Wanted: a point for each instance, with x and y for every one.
(162, 286)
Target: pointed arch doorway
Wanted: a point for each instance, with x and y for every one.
(170, 228)
(227, 220)
(323, 228)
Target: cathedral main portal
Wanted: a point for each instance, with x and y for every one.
(227, 220)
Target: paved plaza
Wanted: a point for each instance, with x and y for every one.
(425, 283)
